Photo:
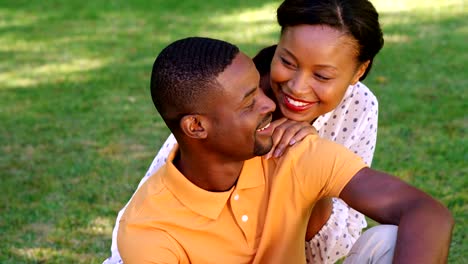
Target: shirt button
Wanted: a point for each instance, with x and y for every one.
(236, 197)
(245, 218)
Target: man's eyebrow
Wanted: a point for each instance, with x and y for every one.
(249, 93)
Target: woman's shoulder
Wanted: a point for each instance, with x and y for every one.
(360, 91)
(358, 103)
(359, 100)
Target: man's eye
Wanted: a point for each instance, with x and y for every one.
(250, 106)
(321, 77)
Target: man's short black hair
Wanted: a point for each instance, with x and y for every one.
(184, 72)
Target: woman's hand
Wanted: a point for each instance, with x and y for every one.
(286, 133)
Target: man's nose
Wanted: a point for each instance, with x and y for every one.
(266, 104)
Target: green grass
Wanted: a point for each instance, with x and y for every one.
(78, 129)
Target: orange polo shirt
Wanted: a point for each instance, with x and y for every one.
(263, 219)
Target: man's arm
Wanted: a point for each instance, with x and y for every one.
(424, 225)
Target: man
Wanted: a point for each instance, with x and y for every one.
(216, 200)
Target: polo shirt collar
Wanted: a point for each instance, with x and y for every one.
(203, 202)
(252, 174)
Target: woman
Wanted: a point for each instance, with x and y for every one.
(325, 49)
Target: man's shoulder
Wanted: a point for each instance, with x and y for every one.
(311, 142)
(312, 147)
(145, 196)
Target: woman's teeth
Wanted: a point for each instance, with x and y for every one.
(295, 103)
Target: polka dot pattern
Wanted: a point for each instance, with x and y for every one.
(161, 158)
(353, 123)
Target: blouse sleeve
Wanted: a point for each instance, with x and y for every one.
(365, 135)
(353, 123)
(160, 158)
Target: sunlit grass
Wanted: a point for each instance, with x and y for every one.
(253, 25)
(396, 6)
(16, 19)
(28, 76)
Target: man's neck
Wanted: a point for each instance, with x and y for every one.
(208, 172)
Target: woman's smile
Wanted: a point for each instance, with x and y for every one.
(296, 104)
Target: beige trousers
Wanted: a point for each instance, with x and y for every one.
(375, 245)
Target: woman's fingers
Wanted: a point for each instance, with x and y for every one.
(277, 133)
(302, 133)
(286, 133)
(291, 132)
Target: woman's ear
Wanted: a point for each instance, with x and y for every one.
(194, 126)
(360, 72)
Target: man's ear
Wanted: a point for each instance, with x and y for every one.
(360, 71)
(194, 126)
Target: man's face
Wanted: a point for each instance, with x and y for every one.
(241, 113)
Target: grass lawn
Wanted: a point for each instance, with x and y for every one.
(78, 129)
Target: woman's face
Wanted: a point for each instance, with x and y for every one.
(312, 67)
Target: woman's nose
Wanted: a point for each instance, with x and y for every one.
(299, 85)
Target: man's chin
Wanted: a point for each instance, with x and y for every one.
(262, 149)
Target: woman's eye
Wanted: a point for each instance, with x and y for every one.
(286, 62)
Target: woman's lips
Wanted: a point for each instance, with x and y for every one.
(297, 105)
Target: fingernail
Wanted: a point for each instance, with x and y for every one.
(278, 153)
(292, 142)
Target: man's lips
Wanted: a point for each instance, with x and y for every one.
(297, 105)
(265, 127)
(265, 123)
